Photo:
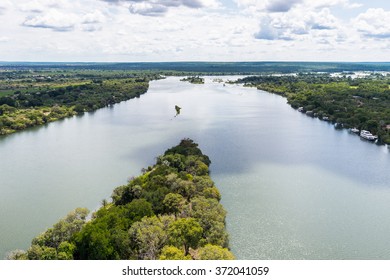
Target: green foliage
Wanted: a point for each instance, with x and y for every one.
(202, 182)
(214, 252)
(65, 228)
(94, 243)
(185, 232)
(156, 197)
(17, 255)
(187, 147)
(211, 217)
(66, 250)
(177, 108)
(173, 203)
(183, 187)
(36, 252)
(212, 192)
(55, 242)
(149, 235)
(104, 237)
(193, 80)
(173, 253)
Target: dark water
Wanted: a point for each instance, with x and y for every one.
(294, 187)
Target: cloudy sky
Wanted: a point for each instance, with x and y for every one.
(194, 30)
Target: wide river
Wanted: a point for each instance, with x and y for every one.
(293, 186)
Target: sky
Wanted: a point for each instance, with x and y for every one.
(194, 30)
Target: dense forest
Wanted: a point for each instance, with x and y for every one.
(29, 98)
(170, 212)
(362, 103)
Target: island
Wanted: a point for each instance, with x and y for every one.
(193, 80)
(171, 211)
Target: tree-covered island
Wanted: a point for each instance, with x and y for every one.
(362, 103)
(170, 212)
(193, 80)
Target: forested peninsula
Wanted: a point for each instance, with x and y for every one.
(31, 98)
(170, 212)
(360, 102)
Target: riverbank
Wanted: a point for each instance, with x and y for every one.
(348, 102)
(37, 98)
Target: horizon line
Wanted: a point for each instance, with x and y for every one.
(191, 61)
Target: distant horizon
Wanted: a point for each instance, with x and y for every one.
(196, 61)
(209, 67)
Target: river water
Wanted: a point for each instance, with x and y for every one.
(293, 186)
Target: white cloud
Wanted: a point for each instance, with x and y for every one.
(121, 33)
(270, 31)
(322, 20)
(161, 7)
(91, 28)
(32, 6)
(295, 24)
(39, 6)
(331, 3)
(53, 19)
(374, 23)
(281, 5)
(4, 6)
(62, 20)
(4, 39)
(93, 21)
(148, 9)
(93, 17)
(191, 30)
(287, 5)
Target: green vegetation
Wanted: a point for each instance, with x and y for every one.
(177, 108)
(30, 98)
(171, 211)
(193, 80)
(363, 103)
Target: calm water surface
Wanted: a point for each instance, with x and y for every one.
(293, 186)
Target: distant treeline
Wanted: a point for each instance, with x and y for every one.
(170, 212)
(362, 103)
(209, 67)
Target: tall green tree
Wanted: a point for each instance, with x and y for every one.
(173, 253)
(185, 232)
(150, 236)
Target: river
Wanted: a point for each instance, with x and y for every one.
(293, 186)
